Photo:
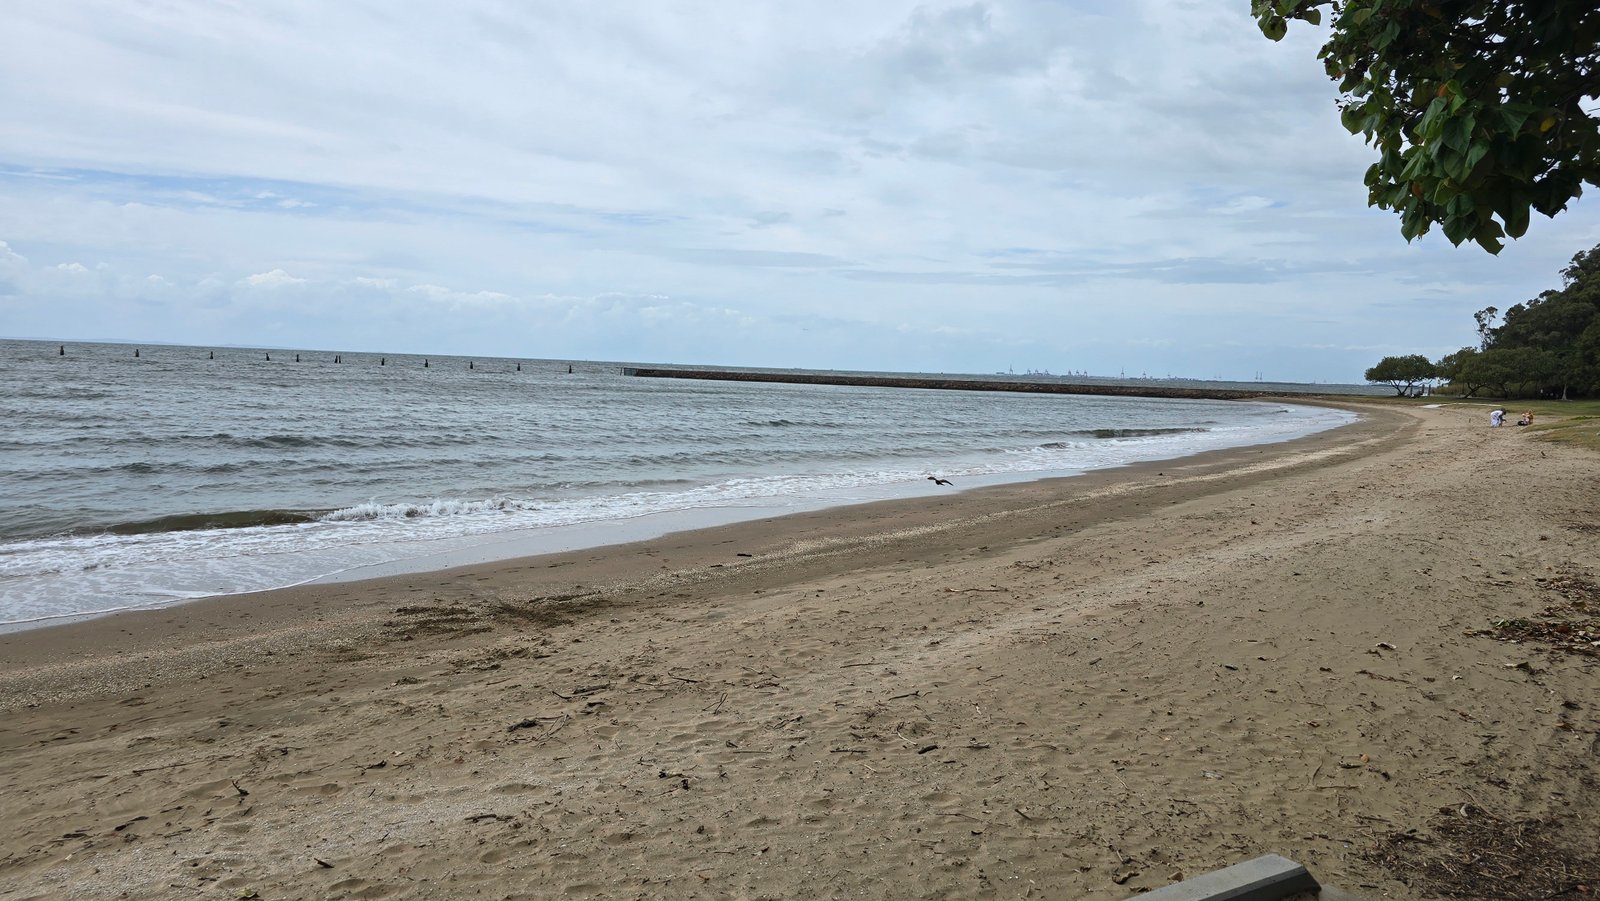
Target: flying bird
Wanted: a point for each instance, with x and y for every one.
(939, 481)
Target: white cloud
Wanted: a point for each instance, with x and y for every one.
(439, 293)
(1050, 184)
(72, 267)
(1247, 204)
(277, 278)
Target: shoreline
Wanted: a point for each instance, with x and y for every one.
(33, 645)
(1079, 687)
(257, 568)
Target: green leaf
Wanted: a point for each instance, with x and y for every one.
(1430, 119)
(1314, 16)
(1517, 219)
(1387, 36)
(1475, 155)
(1274, 27)
(1515, 114)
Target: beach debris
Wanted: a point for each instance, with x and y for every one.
(129, 823)
(534, 722)
(1386, 646)
(1120, 878)
(584, 690)
(1357, 764)
(1469, 852)
(1372, 675)
(1571, 625)
(497, 817)
(322, 863)
(926, 748)
(241, 791)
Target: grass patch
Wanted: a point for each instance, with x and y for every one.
(1575, 423)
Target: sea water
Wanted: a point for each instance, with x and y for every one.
(135, 477)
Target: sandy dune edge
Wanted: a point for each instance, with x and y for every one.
(1069, 689)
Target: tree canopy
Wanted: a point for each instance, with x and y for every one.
(1403, 374)
(1474, 106)
(1547, 347)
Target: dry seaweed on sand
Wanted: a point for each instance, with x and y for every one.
(1571, 625)
(1467, 852)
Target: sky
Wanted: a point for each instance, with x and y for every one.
(1146, 187)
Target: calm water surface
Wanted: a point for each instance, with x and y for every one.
(134, 482)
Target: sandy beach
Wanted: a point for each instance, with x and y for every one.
(1077, 688)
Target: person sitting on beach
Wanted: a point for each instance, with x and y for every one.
(1527, 418)
(1496, 417)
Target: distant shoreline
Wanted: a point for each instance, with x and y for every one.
(956, 383)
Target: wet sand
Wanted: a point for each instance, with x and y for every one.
(1076, 688)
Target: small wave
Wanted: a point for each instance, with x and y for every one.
(294, 441)
(373, 511)
(60, 394)
(790, 423)
(194, 522)
(1130, 433)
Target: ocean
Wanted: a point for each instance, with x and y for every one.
(142, 476)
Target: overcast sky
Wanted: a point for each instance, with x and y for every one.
(1063, 185)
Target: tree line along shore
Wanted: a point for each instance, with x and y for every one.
(1546, 348)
